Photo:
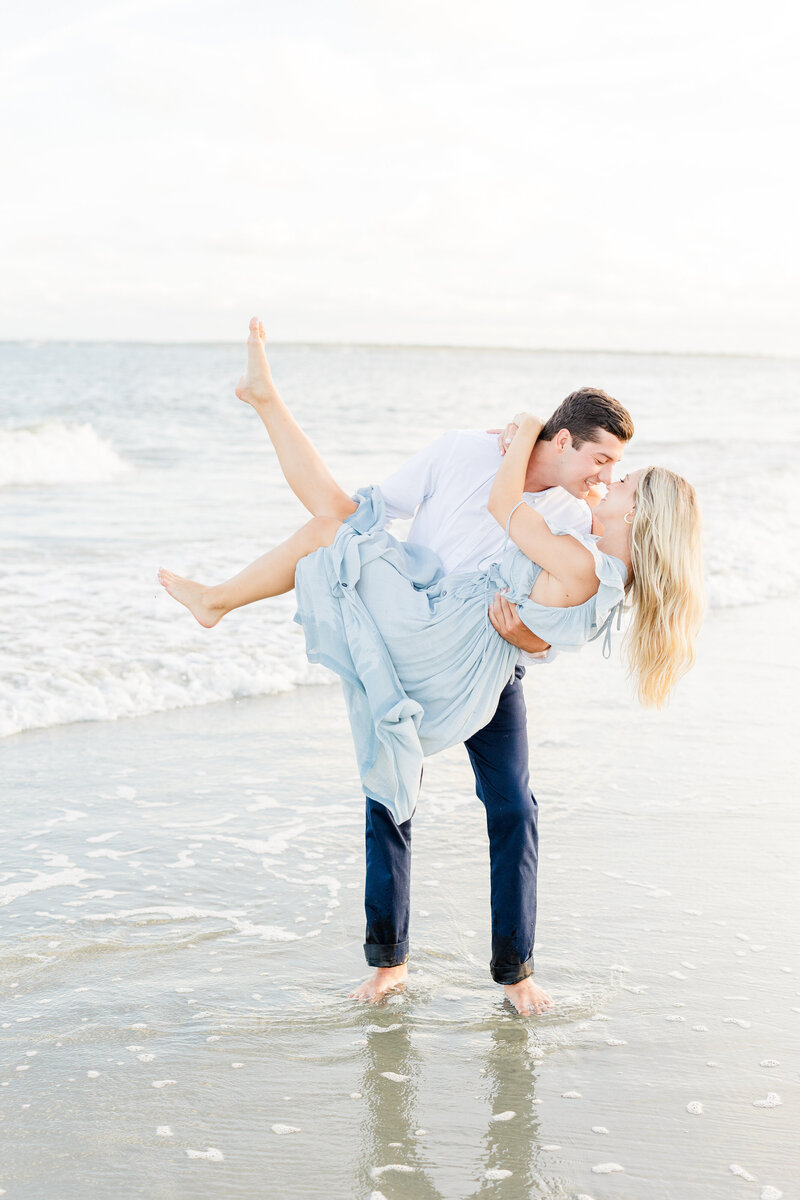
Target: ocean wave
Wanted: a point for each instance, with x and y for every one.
(97, 641)
(109, 687)
(54, 452)
(751, 540)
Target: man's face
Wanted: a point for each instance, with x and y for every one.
(580, 469)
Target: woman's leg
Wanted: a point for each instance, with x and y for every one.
(270, 575)
(305, 472)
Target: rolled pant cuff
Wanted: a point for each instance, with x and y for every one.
(386, 956)
(511, 972)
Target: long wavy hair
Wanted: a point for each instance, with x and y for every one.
(666, 586)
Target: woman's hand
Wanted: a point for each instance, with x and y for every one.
(511, 430)
(507, 436)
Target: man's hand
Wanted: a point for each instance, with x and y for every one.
(503, 616)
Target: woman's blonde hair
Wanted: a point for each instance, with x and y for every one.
(666, 585)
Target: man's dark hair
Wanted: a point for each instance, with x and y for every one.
(584, 412)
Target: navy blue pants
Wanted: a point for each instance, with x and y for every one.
(499, 757)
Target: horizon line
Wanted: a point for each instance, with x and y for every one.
(379, 345)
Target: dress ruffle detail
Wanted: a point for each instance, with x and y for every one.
(342, 635)
(568, 628)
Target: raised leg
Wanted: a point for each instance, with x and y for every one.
(305, 472)
(499, 757)
(270, 575)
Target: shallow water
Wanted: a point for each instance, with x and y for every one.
(180, 896)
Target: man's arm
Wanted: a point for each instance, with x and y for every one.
(405, 489)
(513, 629)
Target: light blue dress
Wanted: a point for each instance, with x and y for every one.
(421, 665)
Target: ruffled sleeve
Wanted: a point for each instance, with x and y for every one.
(611, 573)
(570, 628)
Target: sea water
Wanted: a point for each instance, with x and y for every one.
(115, 460)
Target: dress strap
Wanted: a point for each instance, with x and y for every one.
(605, 628)
(508, 522)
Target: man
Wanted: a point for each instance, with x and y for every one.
(446, 488)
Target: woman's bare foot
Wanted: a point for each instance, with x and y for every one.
(255, 386)
(200, 600)
(385, 979)
(527, 997)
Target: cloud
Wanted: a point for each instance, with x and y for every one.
(506, 173)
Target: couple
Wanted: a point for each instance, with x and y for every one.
(429, 635)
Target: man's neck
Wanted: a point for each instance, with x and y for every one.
(540, 474)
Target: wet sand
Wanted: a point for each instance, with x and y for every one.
(180, 896)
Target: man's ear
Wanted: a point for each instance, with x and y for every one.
(563, 440)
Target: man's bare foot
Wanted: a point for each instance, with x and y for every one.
(255, 386)
(385, 979)
(527, 997)
(199, 600)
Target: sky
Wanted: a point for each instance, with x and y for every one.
(577, 175)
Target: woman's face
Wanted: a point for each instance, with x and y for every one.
(620, 497)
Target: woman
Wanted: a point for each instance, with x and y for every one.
(421, 665)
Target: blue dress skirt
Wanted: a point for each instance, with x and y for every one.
(421, 665)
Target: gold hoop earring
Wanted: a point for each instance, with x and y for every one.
(629, 515)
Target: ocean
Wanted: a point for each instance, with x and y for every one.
(182, 859)
(115, 460)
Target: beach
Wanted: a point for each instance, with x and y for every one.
(182, 865)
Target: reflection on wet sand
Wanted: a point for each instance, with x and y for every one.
(509, 1144)
(391, 1144)
(397, 1155)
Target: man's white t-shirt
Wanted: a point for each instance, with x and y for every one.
(446, 489)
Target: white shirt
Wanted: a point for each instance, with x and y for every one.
(446, 489)
(447, 486)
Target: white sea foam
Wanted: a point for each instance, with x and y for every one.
(71, 877)
(97, 649)
(173, 912)
(744, 541)
(772, 1100)
(54, 453)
